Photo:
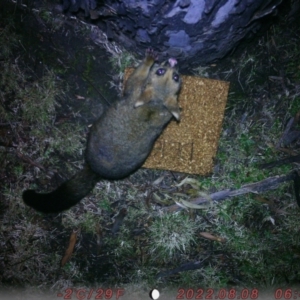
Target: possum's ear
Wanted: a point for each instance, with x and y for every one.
(176, 113)
(138, 103)
(172, 105)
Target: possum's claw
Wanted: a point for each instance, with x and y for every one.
(153, 54)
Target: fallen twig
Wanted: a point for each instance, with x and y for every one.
(283, 161)
(29, 160)
(270, 183)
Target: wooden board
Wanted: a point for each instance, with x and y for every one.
(191, 145)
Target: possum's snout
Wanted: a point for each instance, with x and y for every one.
(172, 62)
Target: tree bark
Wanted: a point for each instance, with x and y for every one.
(196, 32)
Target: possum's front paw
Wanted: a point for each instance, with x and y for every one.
(151, 55)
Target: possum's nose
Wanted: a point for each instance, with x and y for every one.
(172, 62)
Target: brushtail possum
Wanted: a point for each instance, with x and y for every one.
(122, 138)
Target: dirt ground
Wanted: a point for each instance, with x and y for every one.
(58, 75)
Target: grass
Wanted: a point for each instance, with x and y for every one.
(42, 144)
(170, 235)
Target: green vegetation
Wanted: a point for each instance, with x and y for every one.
(122, 60)
(170, 234)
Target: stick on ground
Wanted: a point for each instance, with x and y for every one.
(270, 183)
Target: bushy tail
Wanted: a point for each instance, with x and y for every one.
(66, 195)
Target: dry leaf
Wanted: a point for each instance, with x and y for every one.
(158, 180)
(269, 218)
(185, 204)
(263, 200)
(193, 182)
(119, 220)
(79, 97)
(70, 249)
(209, 236)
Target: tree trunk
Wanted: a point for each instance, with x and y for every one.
(193, 31)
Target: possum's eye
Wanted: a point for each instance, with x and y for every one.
(160, 72)
(175, 77)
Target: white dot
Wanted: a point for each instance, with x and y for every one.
(154, 294)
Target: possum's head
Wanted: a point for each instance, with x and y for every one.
(165, 77)
(164, 82)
